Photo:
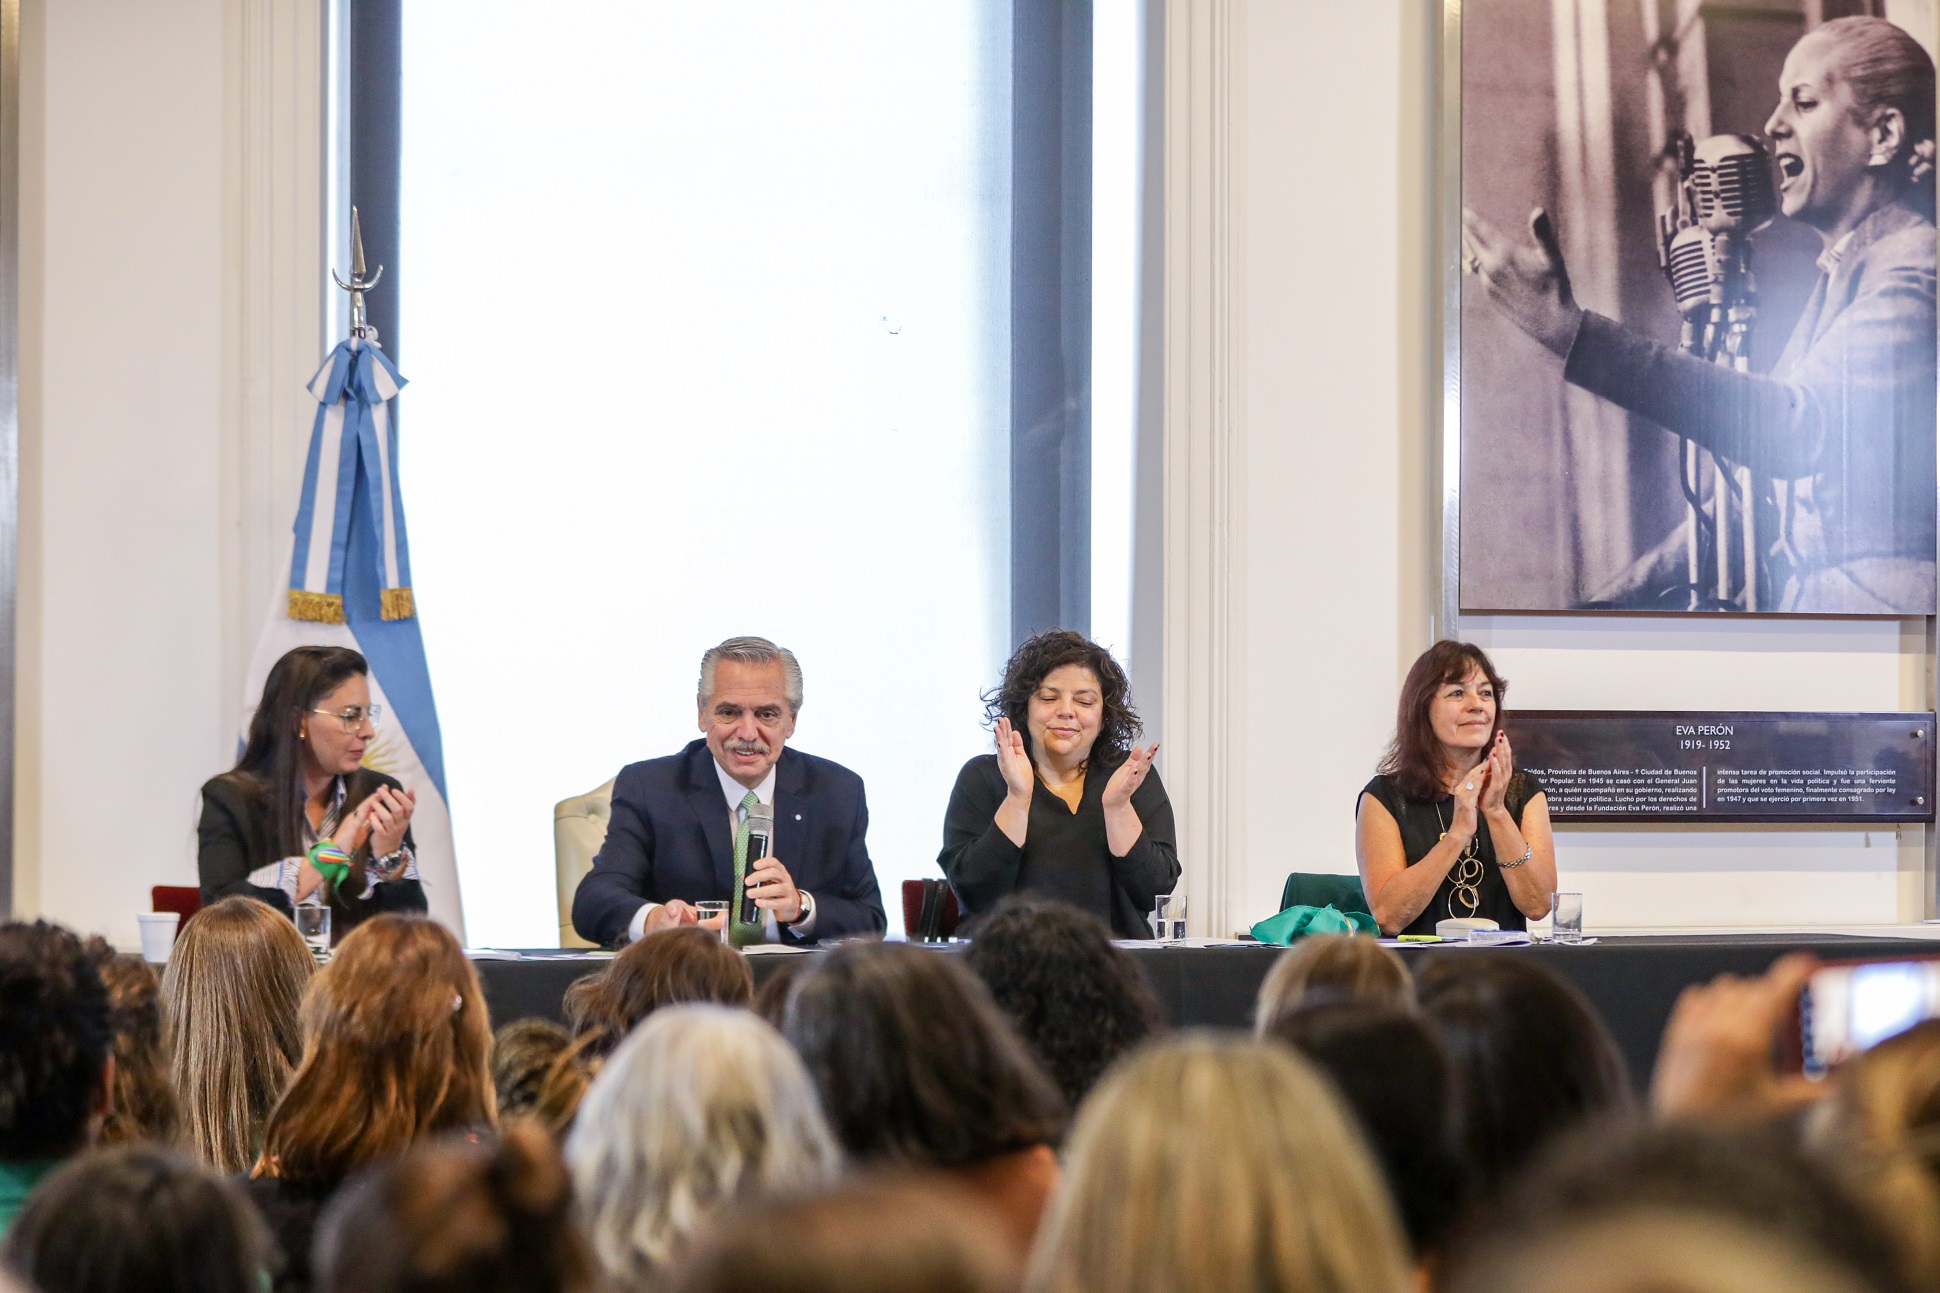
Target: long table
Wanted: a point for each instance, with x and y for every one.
(1632, 980)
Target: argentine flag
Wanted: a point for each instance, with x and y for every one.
(350, 585)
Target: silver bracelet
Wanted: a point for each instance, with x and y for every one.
(1528, 851)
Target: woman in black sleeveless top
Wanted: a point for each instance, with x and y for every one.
(1449, 827)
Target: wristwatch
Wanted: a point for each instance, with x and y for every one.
(808, 908)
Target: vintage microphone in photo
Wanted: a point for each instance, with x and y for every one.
(761, 844)
(1724, 194)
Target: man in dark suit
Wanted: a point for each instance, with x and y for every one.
(678, 831)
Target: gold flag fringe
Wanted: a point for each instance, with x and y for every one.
(319, 608)
(398, 604)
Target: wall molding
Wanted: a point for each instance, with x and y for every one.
(273, 306)
(1204, 557)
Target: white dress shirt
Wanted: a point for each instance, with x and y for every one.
(734, 792)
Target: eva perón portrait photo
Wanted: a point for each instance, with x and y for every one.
(1697, 317)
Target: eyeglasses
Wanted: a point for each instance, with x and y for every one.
(353, 718)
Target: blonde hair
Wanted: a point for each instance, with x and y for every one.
(1218, 1163)
(230, 997)
(699, 1107)
(397, 1046)
(1652, 1250)
(1347, 965)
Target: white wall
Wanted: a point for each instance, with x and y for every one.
(120, 680)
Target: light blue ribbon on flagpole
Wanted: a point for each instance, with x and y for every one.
(350, 376)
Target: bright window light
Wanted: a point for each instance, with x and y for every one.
(704, 311)
(1116, 179)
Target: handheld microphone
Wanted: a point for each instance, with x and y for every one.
(761, 840)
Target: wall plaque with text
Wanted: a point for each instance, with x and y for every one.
(1672, 765)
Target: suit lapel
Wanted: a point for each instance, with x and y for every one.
(710, 807)
(791, 811)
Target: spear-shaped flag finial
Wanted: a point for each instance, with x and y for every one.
(358, 284)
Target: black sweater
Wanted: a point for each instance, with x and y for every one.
(1065, 855)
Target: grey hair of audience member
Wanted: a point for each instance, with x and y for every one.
(701, 1106)
(1654, 1251)
(754, 651)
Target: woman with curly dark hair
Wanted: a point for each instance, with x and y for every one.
(1078, 1001)
(1067, 807)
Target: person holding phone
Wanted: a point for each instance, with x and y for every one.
(1449, 828)
(300, 818)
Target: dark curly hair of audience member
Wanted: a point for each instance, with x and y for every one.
(1393, 1074)
(1750, 1174)
(459, 1216)
(145, 1107)
(771, 998)
(139, 1219)
(522, 1051)
(1078, 1001)
(1533, 1060)
(1030, 664)
(56, 1032)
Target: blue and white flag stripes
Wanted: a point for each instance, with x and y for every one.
(349, 585)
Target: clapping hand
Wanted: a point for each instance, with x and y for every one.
(1526, 280)
(389, 810)
(1468, 795)
(1496, 771)
(1130, 776)
(353, 829)
(1014, 760)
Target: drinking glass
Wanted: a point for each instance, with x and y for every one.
(313, 922)
(1169, 917)
(1566, 918)
(712, 908)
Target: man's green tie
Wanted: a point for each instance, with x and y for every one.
(740, 932)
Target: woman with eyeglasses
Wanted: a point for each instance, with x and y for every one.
(300, 818)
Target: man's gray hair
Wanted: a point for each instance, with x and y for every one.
(753, 651)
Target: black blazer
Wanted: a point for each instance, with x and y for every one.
(668, 838)
(234, 833)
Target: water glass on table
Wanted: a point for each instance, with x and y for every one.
(710, 909)
(313, 922)
(1169, 917)
(1566, 918)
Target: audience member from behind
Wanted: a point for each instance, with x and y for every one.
(1883, 1122)
(700, 1107)
(459, 1216)
(1391, 1071)
(231, 996)
(1756, 1177)
(1332, 966)
(1531, 1057)
(56, 1056)
(882, 1234)
(145, 1107)
(673, 965)
(1216, 1163)
(139, 1219)
(917, 1067)
(299, 818)
(522, 1052)
(1654, 1252)
(396, 1047)
(1449, 827)
(1078, 1001)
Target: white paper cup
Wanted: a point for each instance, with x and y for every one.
(158, 934)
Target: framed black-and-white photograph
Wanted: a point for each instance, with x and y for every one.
(1696, 347)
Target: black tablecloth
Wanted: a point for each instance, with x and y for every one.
(1633, 981)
